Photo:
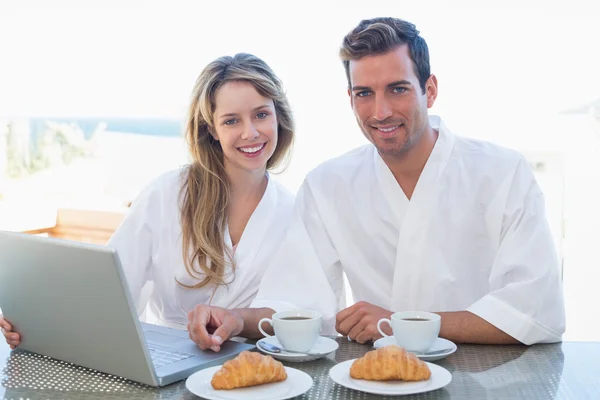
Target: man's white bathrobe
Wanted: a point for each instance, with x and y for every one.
(473, 237)
(149, 243)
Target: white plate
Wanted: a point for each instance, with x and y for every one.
(323, 346)
(440, 377)
(437, 349)
(297, 383)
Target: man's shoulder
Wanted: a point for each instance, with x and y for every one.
(344, 164)
(481, 152)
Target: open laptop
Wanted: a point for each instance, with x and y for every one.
(70, 301)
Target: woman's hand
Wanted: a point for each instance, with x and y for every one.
(12, 338)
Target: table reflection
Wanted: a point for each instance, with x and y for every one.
(554, 371)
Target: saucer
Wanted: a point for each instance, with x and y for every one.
(440, 377)
(297, 383)
(441, 348)
(323, 346)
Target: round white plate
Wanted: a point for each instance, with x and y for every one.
(297, 383)
(441, 348)
(440, 377)
(323, 346)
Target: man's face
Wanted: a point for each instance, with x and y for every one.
(388, 101)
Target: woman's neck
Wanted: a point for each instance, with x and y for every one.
(247, 190)
(246, 185)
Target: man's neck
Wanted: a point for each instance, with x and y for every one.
(407, 168)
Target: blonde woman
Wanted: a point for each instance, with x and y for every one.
(204, 234)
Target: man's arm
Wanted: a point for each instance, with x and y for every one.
(466, 327)
(359, 323)
(525, 297)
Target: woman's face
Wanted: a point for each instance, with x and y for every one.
(245, 125)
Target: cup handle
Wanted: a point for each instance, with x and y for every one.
(260, 326)
(382, 320)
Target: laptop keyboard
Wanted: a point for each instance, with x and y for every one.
(161, 356)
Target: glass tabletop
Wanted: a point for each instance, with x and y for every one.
(567, 370)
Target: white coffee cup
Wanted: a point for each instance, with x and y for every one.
(416, 331)
(296, 330)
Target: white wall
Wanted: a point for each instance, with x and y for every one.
(582, 229)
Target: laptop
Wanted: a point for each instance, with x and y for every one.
(70, 301)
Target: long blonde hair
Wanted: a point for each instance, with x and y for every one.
(206, 191)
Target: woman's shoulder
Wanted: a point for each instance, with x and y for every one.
(165, 186)
(282, 193)
(169, 179)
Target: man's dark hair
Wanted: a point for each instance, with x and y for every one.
(380, 35)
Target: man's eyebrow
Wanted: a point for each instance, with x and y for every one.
(389, 85)
(398, 83)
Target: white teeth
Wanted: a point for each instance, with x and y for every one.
(251, 150)
(387, 130)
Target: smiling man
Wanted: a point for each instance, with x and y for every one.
(420, 219)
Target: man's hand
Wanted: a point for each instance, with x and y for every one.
(210, 326)
(359, 322)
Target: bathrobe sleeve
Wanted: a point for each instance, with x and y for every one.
(306, 272)
(133, 241)
(525, 296)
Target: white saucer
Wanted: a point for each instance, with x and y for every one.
(297, 383)
(440, 377)
(438, 346)
(323, 346)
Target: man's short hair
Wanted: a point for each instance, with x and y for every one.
(380, 35)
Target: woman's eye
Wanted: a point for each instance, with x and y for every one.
(230, 122)
(261, 115)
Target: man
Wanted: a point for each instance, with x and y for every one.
(418, 220)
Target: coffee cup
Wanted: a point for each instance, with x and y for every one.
(416, 331)
(296, 330)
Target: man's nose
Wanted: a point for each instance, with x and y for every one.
(383, 109)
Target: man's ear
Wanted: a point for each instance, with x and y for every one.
(431, 90)
(351, 99)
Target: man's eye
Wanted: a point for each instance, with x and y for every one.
(399, 89)
(363, 93)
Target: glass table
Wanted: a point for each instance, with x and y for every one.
(569, 370)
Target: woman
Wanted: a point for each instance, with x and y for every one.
(204, 234)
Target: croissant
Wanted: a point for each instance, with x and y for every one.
(390, 363)
(248, 369)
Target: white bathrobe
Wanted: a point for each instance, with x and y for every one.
(149, 243)
(474, 237)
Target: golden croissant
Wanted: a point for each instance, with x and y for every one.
(248, 369)
(390, 363)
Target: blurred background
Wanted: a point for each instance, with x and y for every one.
(93, 97)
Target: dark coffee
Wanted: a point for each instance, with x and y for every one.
(415, 319)
(294, 318)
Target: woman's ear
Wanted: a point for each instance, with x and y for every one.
(212, 133)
